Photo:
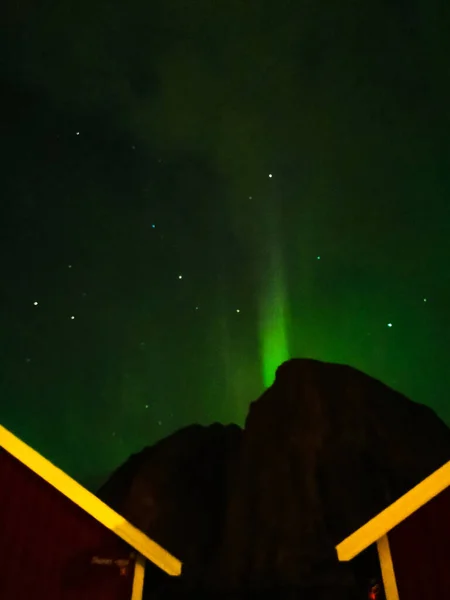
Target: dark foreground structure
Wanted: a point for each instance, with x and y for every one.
(336, 488)
(59, 542)
(412, 537)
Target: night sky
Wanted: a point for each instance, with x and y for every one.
(192, 192)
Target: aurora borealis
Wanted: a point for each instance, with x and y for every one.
(192, 192)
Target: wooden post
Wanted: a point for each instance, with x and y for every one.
(138, 578)
(387, 568)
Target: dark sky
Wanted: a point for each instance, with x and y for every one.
(192, 192)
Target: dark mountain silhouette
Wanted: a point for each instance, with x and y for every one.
(260, 510)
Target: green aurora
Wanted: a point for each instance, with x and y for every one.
(137, 147)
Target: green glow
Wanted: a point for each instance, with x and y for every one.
(274, 340)
(273, 325)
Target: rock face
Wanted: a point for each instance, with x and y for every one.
(176, 492)
(323, 450)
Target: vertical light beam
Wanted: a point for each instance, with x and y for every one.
(273, 306)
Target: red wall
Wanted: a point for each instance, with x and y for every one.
(420, 548)
(47, 542)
